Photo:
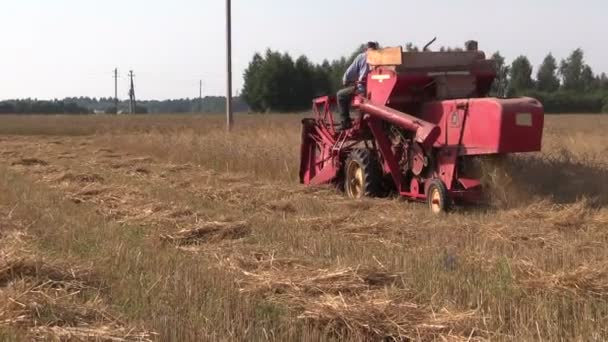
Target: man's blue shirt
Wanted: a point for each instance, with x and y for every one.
(357, 71)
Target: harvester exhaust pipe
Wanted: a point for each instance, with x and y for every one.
(426, 132)
(426, 47)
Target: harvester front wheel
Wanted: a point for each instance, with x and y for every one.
(438, 198)
(362, 177)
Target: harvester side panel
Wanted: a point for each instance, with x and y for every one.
(488, 125)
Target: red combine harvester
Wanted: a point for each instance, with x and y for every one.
(424, 120)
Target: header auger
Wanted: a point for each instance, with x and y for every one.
(423, 120)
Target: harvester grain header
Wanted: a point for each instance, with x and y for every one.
(423, 121)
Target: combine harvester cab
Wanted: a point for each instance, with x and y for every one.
(424, 121)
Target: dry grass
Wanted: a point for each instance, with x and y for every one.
(50, 301)
(351, 302)
(584, 280)
(209, 232)
(261, 258)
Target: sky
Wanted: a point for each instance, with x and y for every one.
(61, 48)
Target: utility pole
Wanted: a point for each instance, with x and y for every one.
(116, 91)
(132, 103)
(200, 97)
(229, 118)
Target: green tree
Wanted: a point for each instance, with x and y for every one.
(588, 80)
(322, 80)
(275, 83)
(500, 85)
(571, 71)
(252, 91)
(547, 79)
(410, 47)
(304, 81)
(603, 81)
(336, 71)
(521, 76)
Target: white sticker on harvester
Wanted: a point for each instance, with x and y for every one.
(381, 78)
(523, 119)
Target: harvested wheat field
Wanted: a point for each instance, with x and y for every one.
(164, 228)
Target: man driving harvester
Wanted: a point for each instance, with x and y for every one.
(354, 79)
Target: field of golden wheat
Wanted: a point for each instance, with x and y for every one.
(166, 228)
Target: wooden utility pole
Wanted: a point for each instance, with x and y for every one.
(132, 103)
(116, 91)
(229, 118)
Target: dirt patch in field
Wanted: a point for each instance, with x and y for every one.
(143, 171)
(119, 165)
(142, 160)
(30, 162)
(80, 178)
(284, 206)
(181, 213)
(94, 192)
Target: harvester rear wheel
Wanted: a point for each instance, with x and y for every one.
(362, 176)
(438, 198)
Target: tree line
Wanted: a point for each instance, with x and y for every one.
(275, 82)
(33, 106)
(88, 105)
(568, 87)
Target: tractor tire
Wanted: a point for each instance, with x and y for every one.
(438, 198)
(362, 174)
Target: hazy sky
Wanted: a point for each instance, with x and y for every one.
(59, 48)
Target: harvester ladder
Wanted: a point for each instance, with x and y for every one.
(339, 144)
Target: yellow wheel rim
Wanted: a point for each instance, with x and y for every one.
(354, 180)
(436, 206)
